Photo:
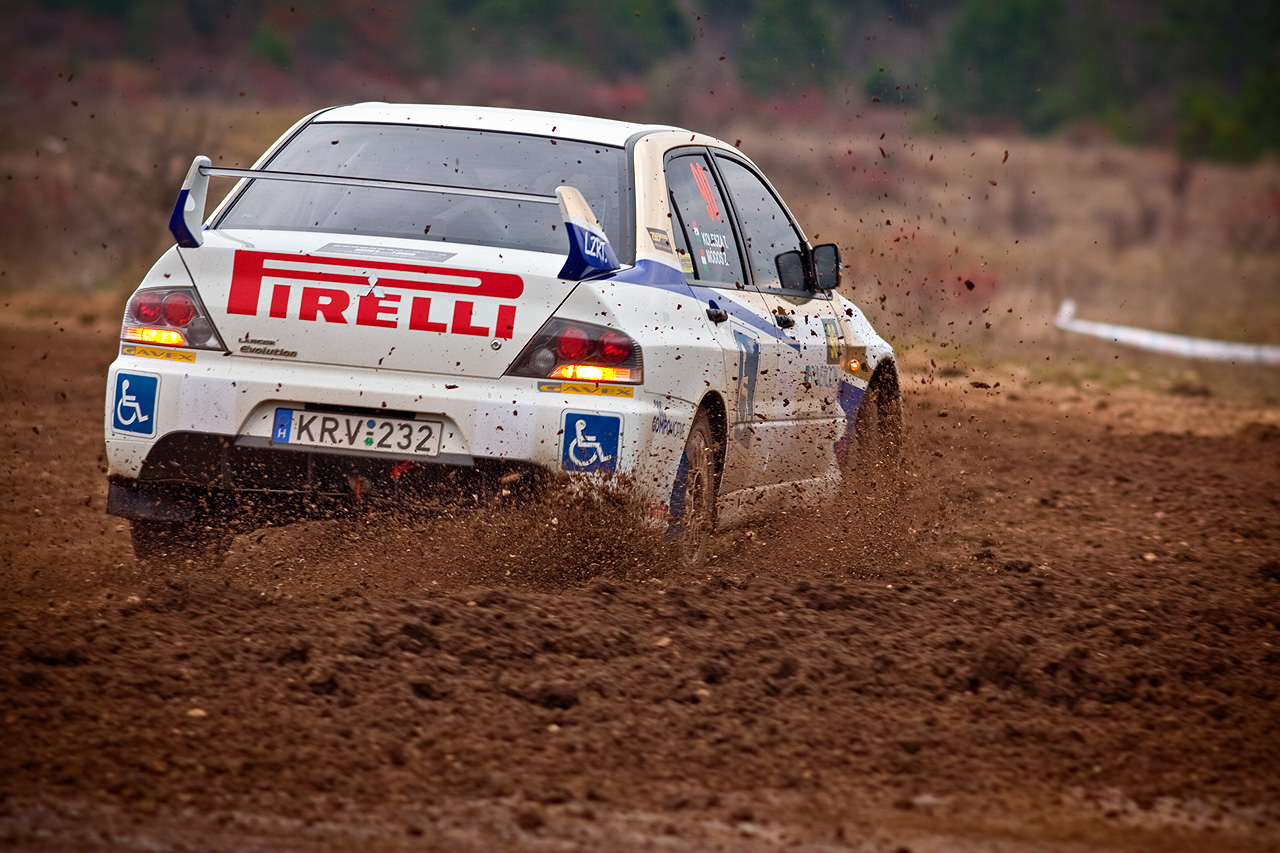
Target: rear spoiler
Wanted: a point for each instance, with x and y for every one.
(589, 250)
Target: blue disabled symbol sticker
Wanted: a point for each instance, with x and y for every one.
(590, 442)
(135, 403)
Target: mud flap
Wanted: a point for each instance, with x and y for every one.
(154, 503)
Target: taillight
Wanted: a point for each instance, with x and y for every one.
(573, 343)
(614, 348)
(178, 309)
(145, 307)
(580, 352)
(171, 317)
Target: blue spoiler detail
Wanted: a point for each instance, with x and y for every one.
(589, 254)
(589, 251)
(178, 226)
(188, 211)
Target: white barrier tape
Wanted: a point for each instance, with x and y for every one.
(1199, 348)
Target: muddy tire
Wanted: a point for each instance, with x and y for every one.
(200, 543)
(876, 458)
(694, 505)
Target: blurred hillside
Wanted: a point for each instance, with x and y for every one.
(976, 161)
(1205, 75)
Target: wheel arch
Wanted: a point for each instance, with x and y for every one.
(717, 413)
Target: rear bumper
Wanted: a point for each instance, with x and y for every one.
(211, 422)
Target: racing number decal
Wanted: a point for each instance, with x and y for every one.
(134, 409)
(589, 442)
(748, 372)
(704, 187)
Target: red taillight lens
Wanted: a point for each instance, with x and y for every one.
(169, 316)
(580, 352)
(146, 308)
(614, 348)
(178, 308)
(573, 344)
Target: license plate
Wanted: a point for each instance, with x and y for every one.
(355, 432)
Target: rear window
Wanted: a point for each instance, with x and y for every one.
(452, 157)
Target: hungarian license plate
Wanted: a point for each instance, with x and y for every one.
(357, 432)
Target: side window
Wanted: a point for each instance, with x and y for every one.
(702, 226)
(766, 228)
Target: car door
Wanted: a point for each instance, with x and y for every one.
(714, 266)
(809, 348)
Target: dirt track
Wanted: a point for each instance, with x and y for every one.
(1067, 640)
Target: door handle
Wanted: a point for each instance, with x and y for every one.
(717, 315)
(784, 321)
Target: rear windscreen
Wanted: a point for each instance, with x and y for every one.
(450, 157)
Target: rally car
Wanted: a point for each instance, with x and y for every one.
(398, 296)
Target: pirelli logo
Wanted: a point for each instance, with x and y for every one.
(379, 294)
(161, 354)
(587, 388)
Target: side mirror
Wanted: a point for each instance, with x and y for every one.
(791, 273)
(826, 267)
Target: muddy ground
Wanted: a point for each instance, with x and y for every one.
(1063, 638)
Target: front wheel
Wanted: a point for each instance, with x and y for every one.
(693, 505)
(877, 454)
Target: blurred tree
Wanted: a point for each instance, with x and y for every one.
(611, 37)
(1260, 107)
(881, 85)
(790, 45)
(118, 9)
(435, 35)
(270, 45)
(1094, 73)
(1004, 58)
(1214, 125)
(1225, 41)
(1223, 60)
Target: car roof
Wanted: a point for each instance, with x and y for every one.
(562, 125)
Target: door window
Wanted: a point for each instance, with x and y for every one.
(703, 229)
(766, 228)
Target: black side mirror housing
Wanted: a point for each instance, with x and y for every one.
(826, 267)
(791, 270)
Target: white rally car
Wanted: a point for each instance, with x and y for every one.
(398, 296)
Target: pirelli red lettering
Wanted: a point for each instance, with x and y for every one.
(302, 288)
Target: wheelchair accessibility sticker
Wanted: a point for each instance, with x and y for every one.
(135, 403)
(590, 442)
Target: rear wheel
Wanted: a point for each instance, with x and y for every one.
(694, 503)
(202, 542)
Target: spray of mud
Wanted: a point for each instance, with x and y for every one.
(565, 535)
(558, 536)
